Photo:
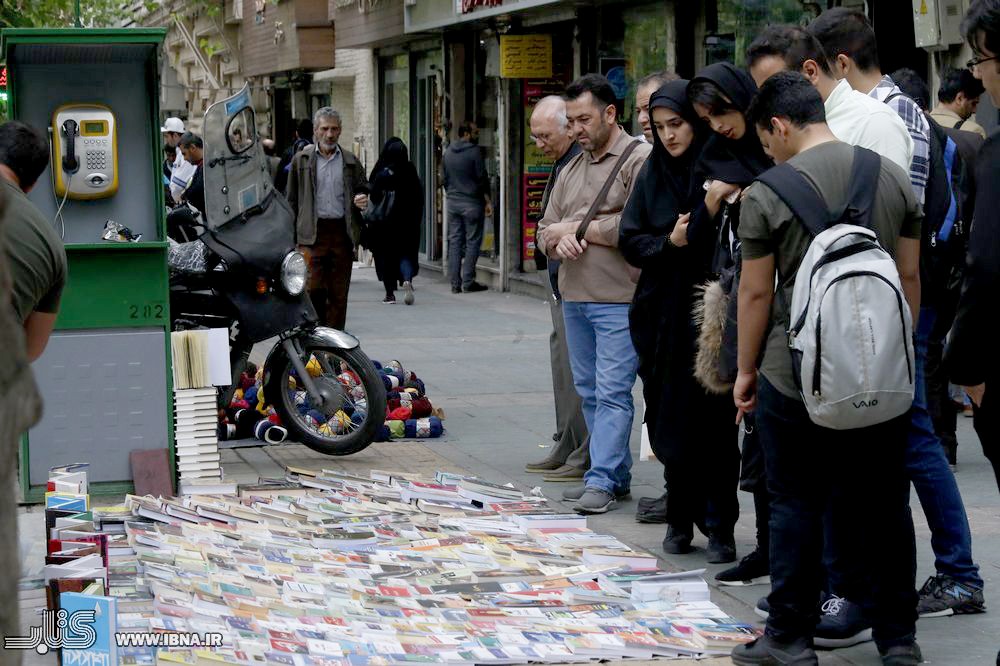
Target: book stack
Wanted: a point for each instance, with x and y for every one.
(324, 567)
(90, 565)
(196, 438)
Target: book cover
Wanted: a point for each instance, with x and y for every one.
(93, 623)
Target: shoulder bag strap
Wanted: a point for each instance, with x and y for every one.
(864, 184)
(603, 194)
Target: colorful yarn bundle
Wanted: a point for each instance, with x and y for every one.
(423, 428)
(409, 412)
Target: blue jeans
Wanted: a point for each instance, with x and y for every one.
(465, 236)
(406, 269)
(604, 365)
(860, 475)
(936, 488)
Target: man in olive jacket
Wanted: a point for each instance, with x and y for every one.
(328, 190)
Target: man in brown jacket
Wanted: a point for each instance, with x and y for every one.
(328, 190)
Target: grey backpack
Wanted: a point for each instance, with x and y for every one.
(851, 331)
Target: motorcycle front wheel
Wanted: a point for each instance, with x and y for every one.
(346, 415)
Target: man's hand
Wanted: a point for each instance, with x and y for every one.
(745, 393)
(552, 234)
(570, 248)
(488, 209)
(976, 393)
(679, 235)
(361, 201)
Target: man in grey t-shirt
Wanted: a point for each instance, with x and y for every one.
(810, 468)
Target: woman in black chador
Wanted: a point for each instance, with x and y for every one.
(395, 240)
(667, 231)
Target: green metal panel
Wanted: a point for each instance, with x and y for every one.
(115, 288)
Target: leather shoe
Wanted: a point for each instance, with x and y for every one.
(766, 651)
(563, 474)
(542, 466)
(474, 287)
(677, 541)
(721, 549)
(652, 509)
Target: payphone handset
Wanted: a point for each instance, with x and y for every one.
(84, 152)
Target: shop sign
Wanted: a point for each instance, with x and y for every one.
(466, 6)
(3, 77)
(525, 56)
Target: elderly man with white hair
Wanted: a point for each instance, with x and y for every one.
(328, 190)
(570, 458)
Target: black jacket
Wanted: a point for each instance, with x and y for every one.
(464, 173)
(972, 355)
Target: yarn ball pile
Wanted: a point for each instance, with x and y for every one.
(409, 413)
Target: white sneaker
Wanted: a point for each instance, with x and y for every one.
(408, 288)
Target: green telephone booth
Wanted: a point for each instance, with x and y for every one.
(105, 376)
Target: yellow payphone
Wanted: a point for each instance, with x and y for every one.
(84, 152)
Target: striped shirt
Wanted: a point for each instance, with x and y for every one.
(916, 125)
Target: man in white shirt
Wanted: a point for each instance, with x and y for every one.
(853, 117)
(182, 171)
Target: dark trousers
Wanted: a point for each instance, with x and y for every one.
(331, 258)
(701, 482)
(573, 448)
(986, 421)
(753, 479)
(465, 236)
(860, 475)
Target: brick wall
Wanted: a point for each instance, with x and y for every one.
(354, 96)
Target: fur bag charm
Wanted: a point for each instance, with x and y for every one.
(710, 314)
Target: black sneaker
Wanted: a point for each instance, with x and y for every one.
(902, 655)
(942, 596)
(766, 651)
(678, 541)
(752, 570)
(762, 608)
(841, 624)
(652, 509)
(474, 287)
(721, 549)
(456, 290)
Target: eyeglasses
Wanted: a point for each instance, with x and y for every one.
(543, 138)
(975, 62)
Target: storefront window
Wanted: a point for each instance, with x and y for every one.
(731, 25)
(396, 91)
(633, 42)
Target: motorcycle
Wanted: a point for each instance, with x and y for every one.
(244, 273)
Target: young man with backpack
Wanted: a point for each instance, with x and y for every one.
(867, 319)
(957, 588)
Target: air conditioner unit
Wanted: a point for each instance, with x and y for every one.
(936, 23)
(234, 11)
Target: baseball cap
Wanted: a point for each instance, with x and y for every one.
(173, 125)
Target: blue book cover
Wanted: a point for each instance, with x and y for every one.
(102, 649)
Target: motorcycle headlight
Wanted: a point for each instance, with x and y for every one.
(293, 273)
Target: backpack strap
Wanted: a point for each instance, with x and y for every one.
(864, 184)
(944, 232)
(811, 209)
(799, 195)
(958, 125)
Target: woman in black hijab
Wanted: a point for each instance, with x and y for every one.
(395, 240)
(732, 159)
(691, 431)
